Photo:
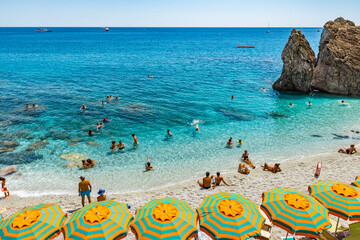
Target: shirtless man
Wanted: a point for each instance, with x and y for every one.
(27, 106)
(276, 168)
(83, 107)
(3, 187)
(350, 150)
(229, 143)
(169, 133)
(218, 180)
(135, 139)
(91, 133)
(206, 181)
(246, 159)
(84, 190)
(232, 97)
(197, 127)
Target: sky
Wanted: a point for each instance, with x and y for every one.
(175, 13)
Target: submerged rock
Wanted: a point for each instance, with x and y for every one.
(5, 150)
(276, 115)
(16, 135)
(19, 158)
(338, 65)
(5, 123)
(237, 114)
(74, 157)
(299, 63)
(37, 145)
(8, 170)
(71, 165)
(91, 143)
(57, 135)
(9, 144)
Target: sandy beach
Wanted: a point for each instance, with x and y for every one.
(298, 174)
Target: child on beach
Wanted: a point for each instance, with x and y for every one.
(3, 187)
(102, 196)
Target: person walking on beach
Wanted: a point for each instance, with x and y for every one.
(206, 184)
(218, 180)
(84, 190)
(3, 187)
(135, 140)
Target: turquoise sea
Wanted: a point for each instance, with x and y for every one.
(194, 72)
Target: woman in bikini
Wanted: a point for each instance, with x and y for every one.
(246, 159)
(276, 168)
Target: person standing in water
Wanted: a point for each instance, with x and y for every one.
(232, 97)
(148, 165)
(135, 140)
(84, 190)
(122, 145)
(229, 143)
(169, 133)
(309, 104)
(27, 106)
(197, 127)
(83, 107)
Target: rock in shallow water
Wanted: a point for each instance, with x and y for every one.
(5, 150)
(9, 144)
(58, 135)
(74, 157)
(37, 145)
(91, 143)
(19, 158)
(8, 170)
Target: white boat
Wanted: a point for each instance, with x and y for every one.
(105, 29)
(42, 30)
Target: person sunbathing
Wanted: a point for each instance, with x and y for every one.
(246, 159)
(276, 168)
(206, 181)
(218, 180)
(243, 169)
(349, 150)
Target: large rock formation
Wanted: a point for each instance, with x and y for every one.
(299, 63)
(338, 65)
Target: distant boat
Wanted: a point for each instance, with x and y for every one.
(268, 31)
(245, 47)
(105, 29)
(318, 30)
(43, 30)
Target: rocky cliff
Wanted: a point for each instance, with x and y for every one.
(337, 68)
(299, 63)
(338, 65)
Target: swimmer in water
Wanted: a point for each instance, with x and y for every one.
(344, 103)
(98, 126)
(148, 165)
(169, 133)
(309, 104)
(83, 107)
(117, 98)
(135, 139)
(27, 106)
(229, 143)
(232, 97)
(264, 89)
(107, 98)
(91, 133)
(197, 127)
(103, 102)
(113, 145)
(101, 125)
(240, 142)
(111, 97)
(290, 105)
(34, 105)
(122, 145)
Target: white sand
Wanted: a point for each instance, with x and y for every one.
(297, 174)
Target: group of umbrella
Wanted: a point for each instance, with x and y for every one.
(221, 216)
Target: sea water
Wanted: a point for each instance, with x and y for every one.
(166, 78)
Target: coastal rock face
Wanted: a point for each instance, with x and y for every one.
(338, 65)
(299, 63)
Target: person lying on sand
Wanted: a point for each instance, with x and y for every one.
(206, 181)
(246, 159)
(349, 150)
(3, 187)
(218, 180)
(102, 196)
(148, 165)
(276, 168)
(229, 143)
(243, 169)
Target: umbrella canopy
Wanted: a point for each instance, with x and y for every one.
(38, 222)
(100, 221)
(295, 212)
(229, 216)
(165, 218)
(356, 183)
(341, 199)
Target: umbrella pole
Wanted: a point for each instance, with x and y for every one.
(286, 236)
(337, 224)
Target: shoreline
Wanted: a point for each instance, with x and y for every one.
(297, 174)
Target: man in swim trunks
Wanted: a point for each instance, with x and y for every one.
(135, 139)
(3, 187)
(206, 181)
(350, 150)
(84, 190)
(218, 180)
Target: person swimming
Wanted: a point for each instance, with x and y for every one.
(106, 120)
(117, 98)
(103, 102)
(111, 97)
(344, 103)
(91, 133)
(27, 106)
(121, 145)
(113, 145)
(232, 97)
(34, 105)
(135, 139)
(169, 133)
(98, 126)
(83, 107)
(240, 142)
(229, 143)
(148, 165)
(197, 127)
(309, 104)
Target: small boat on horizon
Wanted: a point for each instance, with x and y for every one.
(268, 31)
(245, 46)
(105, 29)
(43, 30)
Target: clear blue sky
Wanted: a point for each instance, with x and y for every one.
(175, 13)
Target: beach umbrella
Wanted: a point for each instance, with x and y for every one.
(99, 220)
(341, 199)
(38, 222)
(229, 216)
(356, 183)
(295, 212)
(166, 219)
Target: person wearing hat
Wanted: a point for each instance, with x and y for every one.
(102, 196)
(84, 190)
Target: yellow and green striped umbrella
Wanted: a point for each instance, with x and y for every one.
(99, 220)
(36, 223)
(166, 219)
(225, 216)
(341, 199)
(356, 183)
(295, 212)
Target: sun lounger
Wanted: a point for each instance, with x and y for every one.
(325, 235)
(333, 227)
(265, 233)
